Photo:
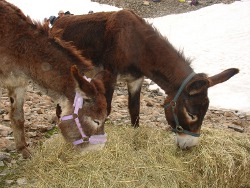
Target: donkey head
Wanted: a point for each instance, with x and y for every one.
(185, 110)
(90, 109)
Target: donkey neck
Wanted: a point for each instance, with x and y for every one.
(54, 78)
(48, 65)
(169, 67)
(56, 82)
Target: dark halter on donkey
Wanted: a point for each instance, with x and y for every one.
(178, 128)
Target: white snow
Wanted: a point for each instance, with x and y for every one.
(215, 38)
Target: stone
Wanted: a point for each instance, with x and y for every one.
(228, 114)
(10, 144)
(5, 157)
(146, 3)
(3, 143)
(236, 128)
(6, 117)
(32, 134)
(237, 122)
(40, 111)
(149, 104)
(4, 130)
(43, 128)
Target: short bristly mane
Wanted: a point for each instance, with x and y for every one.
(68, 46)
(156, 44)
(44, 30)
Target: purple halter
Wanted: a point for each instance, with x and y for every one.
(94, 139)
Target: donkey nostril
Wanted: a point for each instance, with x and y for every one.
(97, 122)
(193, 117)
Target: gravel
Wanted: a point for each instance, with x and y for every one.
(151, 9)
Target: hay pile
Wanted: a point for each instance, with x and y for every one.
(145, 157)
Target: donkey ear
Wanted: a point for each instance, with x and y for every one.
(82, 84)
(197, 86)
(222, 77)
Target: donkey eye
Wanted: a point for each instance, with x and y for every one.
(88, 100)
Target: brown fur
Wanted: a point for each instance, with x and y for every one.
(126, 44)
(26, 53)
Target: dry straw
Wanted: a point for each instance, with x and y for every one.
(143, 157)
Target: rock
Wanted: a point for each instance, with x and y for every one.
(242, 116)
(236, 128)
(40, 111)
(237, 122)
(2, 111)
(32, 134)
(5, 157)
(149, 104)
(43, 128)
(6, 117)
(4, 130)
(3, 143)
(228, 114)
(7, 144)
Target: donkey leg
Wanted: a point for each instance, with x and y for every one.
(134, 92)
(17, 119)
(109, 91)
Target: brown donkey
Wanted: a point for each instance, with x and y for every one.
(127, 45)
(26, 53)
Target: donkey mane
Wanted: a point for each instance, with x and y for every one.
(152, 35)
(157, 44)
(68, 46)
(31, 29)
(17, 12)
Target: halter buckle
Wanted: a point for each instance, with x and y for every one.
(172, 104)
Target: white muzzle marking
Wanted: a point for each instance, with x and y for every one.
(185, 141)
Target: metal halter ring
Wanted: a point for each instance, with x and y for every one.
(179, 129)
(172, 104)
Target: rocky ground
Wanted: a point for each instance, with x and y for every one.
(151, 9)
(40, 109)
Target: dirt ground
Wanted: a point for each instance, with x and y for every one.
(150, 9)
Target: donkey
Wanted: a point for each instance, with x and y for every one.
(27, 53)
(127, 45)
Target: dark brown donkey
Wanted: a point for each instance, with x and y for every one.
(127, 45)
(26, 53)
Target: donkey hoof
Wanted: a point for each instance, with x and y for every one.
(26, 153)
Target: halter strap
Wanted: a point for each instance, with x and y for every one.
(178, 128)
(94, 139)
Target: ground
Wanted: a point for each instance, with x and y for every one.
(40, 109)
(150, 9)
